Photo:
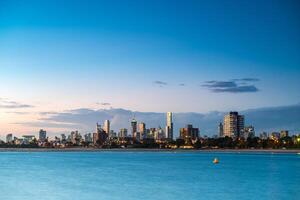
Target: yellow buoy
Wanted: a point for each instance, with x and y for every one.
(216, 161)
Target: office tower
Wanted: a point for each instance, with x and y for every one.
(233, 124)
(189, 133)
(169, 127)
(142, 130)
(106, 126)
(42, 135)
(9, 138)
(123, 133)
(133, 128)
(220, 130)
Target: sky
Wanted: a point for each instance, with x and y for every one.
(148, 56)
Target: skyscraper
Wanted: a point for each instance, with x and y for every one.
(142, 130)
(169, 127)
(233, 124)
(133, 128)
(42, 135)
(106, 126)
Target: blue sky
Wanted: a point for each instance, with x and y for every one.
(180, 56)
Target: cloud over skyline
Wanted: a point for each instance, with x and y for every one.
(243, 85)
(84, 119)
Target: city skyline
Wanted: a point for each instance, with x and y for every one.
(234, 135)
(194, 56)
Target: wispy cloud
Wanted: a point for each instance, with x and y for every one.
(18, 113)
(246, 79)
(160, 83)
(103, 103)
(7, 104)
(181, 84)
(48, 113)
(242, 85)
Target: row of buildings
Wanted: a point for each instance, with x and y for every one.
(103, 134)
(234, 126)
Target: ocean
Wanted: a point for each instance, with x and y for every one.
(148, 175)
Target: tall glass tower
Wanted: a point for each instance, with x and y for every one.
(169, 127)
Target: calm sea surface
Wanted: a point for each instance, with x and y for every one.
(148, 175)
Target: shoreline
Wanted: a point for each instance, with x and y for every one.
(297, 151)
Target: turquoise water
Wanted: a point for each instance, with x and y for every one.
(148, 175)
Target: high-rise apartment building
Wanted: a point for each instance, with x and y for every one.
(233, 124)
(169, 127)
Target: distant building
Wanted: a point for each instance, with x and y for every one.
(137, 137)
(189, 133)
(9, 138)
(220, 130)
(63, 137)
(152, 133)
(284, 133)
(233, 124)
(142, 130)
(263, 136)
(28, 139)
(159, 133)
(169, 127)
(274, 135)
(74, 137)
(112, 134)
(248, 132)
(133, 128)
(88, 138)
(42, 135)
(106, 127)
(100, 137)
(122, 133)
